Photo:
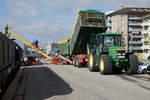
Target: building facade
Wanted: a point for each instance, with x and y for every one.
(146, 36)
(128, 21)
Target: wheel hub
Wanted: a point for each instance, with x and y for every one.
(101, 64)
(91, 60)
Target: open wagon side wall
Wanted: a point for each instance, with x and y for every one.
(63, 48)
(88, 22)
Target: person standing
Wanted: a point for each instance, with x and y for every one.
(6, 29)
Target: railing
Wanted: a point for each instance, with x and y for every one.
(135, 30)
(109, 25)
(134, 24)
(145, 32)
(135, 48)
(136, 36)
(109, 19)
(135, 42)
(145, 24)
(146, 47)
(135, 18)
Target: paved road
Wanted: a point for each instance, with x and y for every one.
(65, 82)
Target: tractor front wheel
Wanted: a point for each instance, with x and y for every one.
(105, 64)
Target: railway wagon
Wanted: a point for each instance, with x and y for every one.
(10, 59)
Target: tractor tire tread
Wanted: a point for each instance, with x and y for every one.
(134, 62)
(107, 64)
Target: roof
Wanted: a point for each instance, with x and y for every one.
(90, 11)
(128, 10)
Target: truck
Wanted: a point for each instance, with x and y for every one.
(103, 49)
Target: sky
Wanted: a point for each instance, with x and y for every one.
(52, 20)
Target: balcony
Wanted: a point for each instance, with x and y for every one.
(109, 29)
(146, 47)
(135, 42)
(142, 39)
(109, 25)
(109, 19)
(134, 18)
(134, 24)
(136, 36)
(145, 31)
(146, 39)
(135, 48)
(134, 30)
(145, 24)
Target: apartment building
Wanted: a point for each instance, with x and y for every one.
(146, 36)
(128, 21)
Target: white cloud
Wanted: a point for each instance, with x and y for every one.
(53, 20)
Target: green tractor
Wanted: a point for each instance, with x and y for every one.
(108, 56)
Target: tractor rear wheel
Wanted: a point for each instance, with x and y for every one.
(105, 64)
(133, 66)
(91, 62)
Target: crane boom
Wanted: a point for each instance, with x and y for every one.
(36, 49)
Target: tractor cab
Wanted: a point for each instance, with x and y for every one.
(109, 41)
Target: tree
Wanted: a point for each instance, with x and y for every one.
(123, 43)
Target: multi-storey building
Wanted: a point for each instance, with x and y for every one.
(146, 36)
(128, 21)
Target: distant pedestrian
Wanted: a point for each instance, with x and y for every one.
(6, 29)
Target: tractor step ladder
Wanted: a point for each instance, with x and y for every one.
(38, 50)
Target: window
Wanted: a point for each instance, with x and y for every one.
(112, 40)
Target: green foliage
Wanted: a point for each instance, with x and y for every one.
(123, 43)
(145, 35)
(147, 42)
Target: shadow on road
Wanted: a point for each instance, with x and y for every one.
(43, 83)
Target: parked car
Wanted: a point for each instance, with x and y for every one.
(144, 68)
(141, 63)
(148, 69)
(148, 58)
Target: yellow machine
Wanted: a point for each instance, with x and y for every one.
(36, 49)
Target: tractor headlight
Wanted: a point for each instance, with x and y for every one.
(123, 54)
(120, 55)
